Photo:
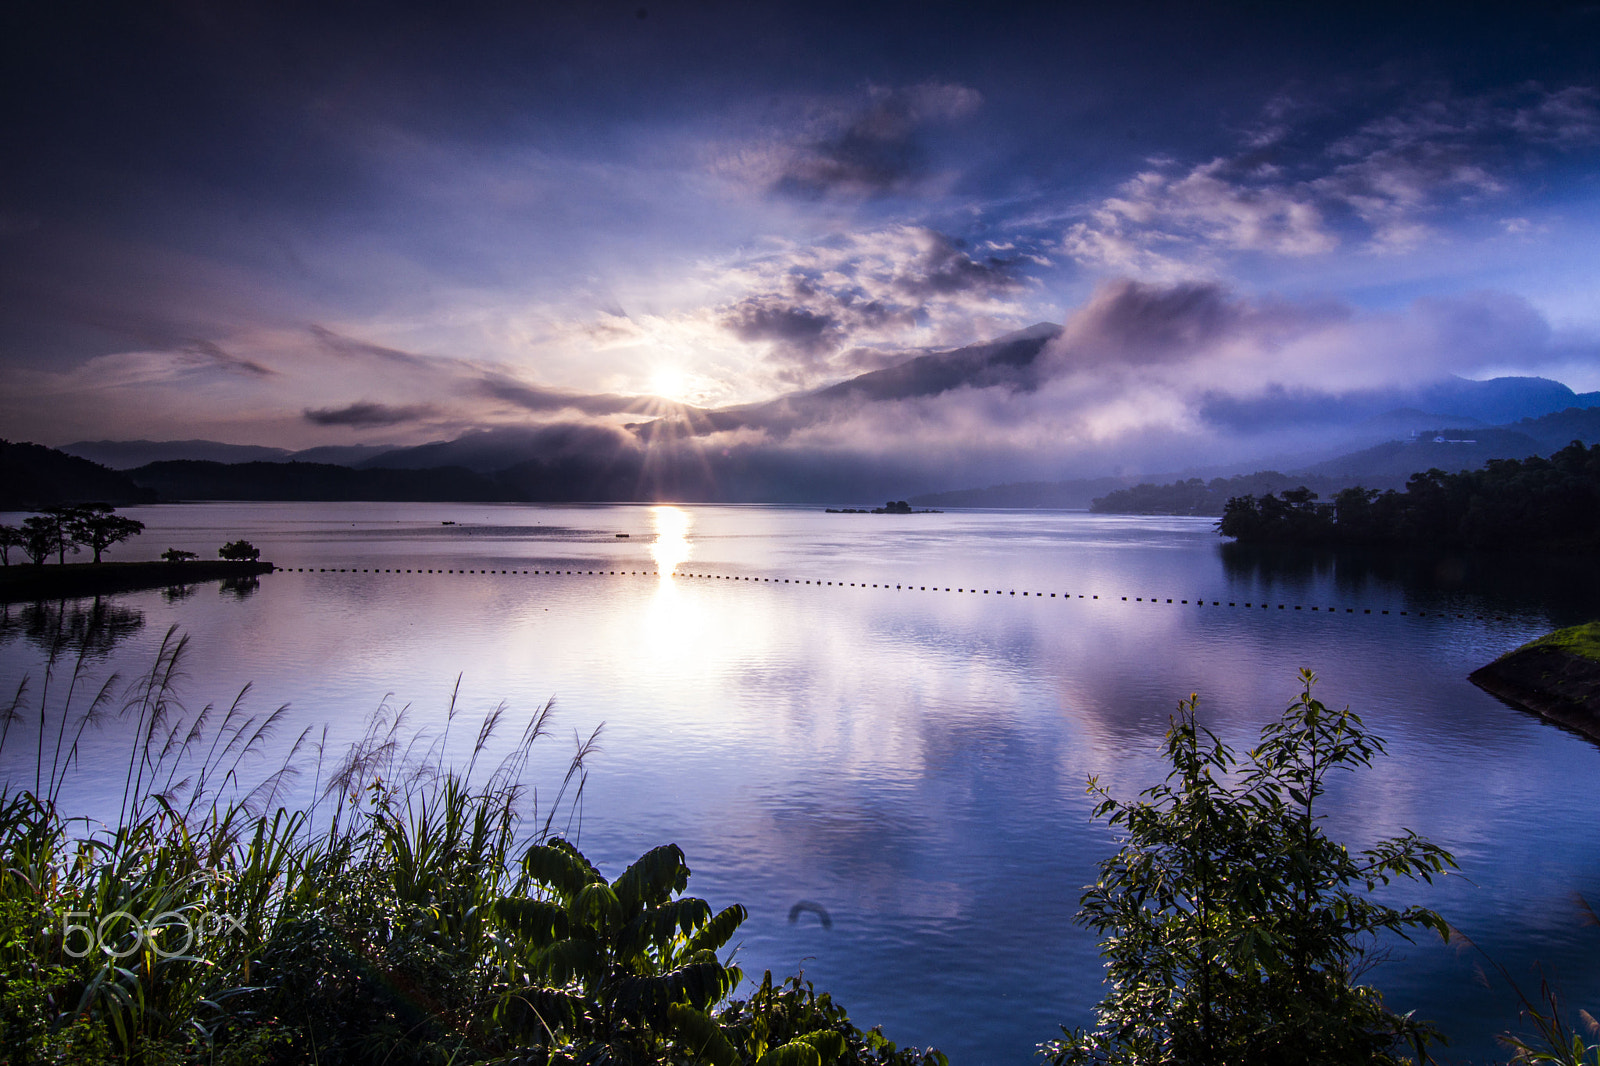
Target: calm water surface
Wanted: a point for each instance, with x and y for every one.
(910, 756)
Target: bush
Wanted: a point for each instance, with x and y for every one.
(1233, 929)
(177, 555)
(239, 551)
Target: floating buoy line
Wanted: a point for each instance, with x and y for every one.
(1027, 594)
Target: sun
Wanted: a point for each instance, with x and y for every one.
(670, 383)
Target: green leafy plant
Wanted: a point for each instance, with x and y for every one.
(598, 966)
(1234, 930)
(790, 1021)
(414, 911)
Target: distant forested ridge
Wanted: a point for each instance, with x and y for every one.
(1197, 497)
(34, 477)
(1533, 503)
(199, 479)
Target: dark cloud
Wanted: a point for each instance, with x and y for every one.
(362, 415)
(793, 327)
(874, 148)
(826, 309)
(347, 346)
(1129, 323)
(214, 355)
(947, 268)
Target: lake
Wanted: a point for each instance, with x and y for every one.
(893, 717)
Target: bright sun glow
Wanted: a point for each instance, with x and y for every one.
(672, 539)
(671, 383)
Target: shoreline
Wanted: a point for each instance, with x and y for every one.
(1556, 677)
(25, 581)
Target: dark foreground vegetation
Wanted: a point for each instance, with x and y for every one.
(1233, 928)
(1511, 504)
(425, 909)
(416, 912)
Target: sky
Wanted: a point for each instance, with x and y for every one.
(308, 224)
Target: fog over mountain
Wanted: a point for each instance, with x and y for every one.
(1128, 385)
(1047, 403)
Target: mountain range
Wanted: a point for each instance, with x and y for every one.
(843, 442)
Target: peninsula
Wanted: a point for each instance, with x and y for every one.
(1556, 677)
(19, 583)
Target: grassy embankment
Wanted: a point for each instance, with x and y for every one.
(1556, 677)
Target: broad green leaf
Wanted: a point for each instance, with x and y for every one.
(559, 866)
(716, 933)
(794, 1053)
(653, 878)
(570, 960)
(538, 921)
(702, 1036)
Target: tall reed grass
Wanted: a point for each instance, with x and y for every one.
(416, 908)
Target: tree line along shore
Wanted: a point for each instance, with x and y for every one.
(1510, 504)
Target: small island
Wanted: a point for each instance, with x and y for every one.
(1556, 677)
(892, 507)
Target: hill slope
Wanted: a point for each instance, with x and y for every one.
(33, 477)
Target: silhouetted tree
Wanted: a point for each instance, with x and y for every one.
(1525, 503)
(44, 535)
(10, 537)
(239, 551)
(97, 527)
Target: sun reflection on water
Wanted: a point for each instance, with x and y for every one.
(672, 539)
(674, 623)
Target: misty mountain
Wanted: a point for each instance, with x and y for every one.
(1405, 422)
(1556, 431)
(1450, 402)
(486, 451)
(1385, 466)
(1046, 410)
(340, 454)
(1009, 362)
(1454, 448)
(197, 479)
(1192, 496)
(1450, 450)
(1044, 495)
(33, 476)
(128, 454)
